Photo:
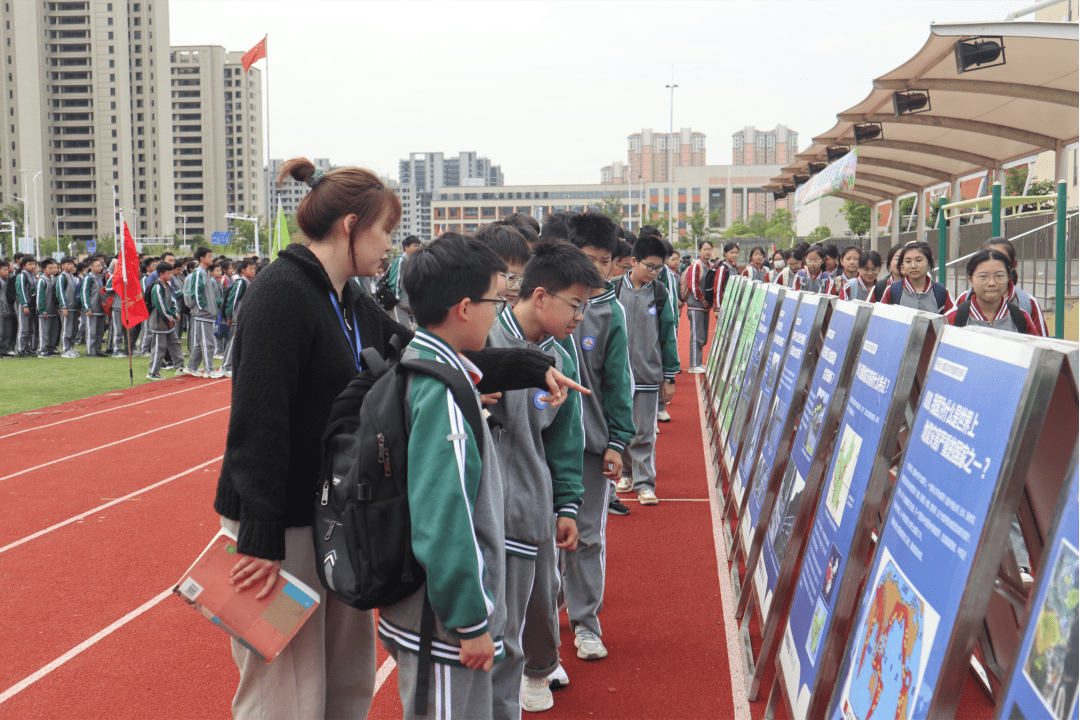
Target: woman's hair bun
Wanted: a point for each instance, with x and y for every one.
(299, 169)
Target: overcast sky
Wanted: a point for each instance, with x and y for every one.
(550, 90)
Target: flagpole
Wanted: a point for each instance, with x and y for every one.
(266, 55)
(123, 277)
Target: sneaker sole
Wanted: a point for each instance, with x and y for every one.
(654, 501)
(619, 513)
(598, 655)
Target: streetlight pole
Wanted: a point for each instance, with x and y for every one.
(58, 233)
(26, 203)
(37, 227)
(671, 163)
(115, 221)
(234, 216)
(182, 215)
(14, 242)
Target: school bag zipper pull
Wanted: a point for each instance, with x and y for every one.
(384, 454)
(333, 524)
(325, 493)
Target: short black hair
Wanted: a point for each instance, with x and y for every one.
(916, 246)
(555, 266)
(849, 248)
(758, 248)
(523, 220)
(816, 249)
(594, 230)
(799, 253)
(557, 225)
(649, 231)
(410, 241)
(26, 259)
(624, 249)
(506, 241)
(669, 248)
(244, 264)
(870, 259)
(162, 268)
(831, 251)
(68, 259)
(447, 271)
(79, 267)
(892, 251)
(202, 252)
(46, 262)
(648, 246)
(984, 255)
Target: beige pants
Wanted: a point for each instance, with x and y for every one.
(327, 671)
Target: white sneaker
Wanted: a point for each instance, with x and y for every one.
(558, 679)
(588, 645)
(663, 416)
(535, 695)
(182, 371)
(215, 375)
(227, 373)
(624, 485)
(697, 370)
(647, 497)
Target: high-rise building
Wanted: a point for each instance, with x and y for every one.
(86, 109)
(648, 154)
(217, 139)
(751, 146)
(422, 173)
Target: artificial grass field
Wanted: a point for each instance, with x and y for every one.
(33, 382)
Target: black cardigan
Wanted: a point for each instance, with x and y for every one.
(290, 361)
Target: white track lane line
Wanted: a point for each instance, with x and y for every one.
(736, 664)
(384, 672)
(118, 442)
(99, 508)
(31, 679)
(115, 407)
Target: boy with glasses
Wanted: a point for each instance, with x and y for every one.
(508, 242)
(654, 360)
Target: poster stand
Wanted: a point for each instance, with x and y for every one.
(956, 493)
(729, 330)
(721, 339)
(1041, 685)
(895, 352)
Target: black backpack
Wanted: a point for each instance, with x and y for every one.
(708, 289)
(659, 297)
(384, 295)
(963, 313)
(362, 530)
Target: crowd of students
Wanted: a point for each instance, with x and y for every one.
(993, 300)
(49, 307)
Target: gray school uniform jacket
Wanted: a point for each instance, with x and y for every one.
(5, 307)
(91, 294)
(66, 298)
(456, 506)
(654, 356)
(208, 294)
(603, 358)
(540, 448)
(24, 290)
(164, 308)
(46, 297)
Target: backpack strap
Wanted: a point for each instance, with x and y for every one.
(941, 294)
(1017, 317)
(895, 292)
(465, 397)
(963, 312)
(879, 289)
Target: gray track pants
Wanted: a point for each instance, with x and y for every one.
(641, 451)
(7, 333)
(95, 330)
(699, 333)
(27, 336)
(202, 333)
(48, 334)
(69, 327)
(584, 568)
(453, 692)
(159, 343)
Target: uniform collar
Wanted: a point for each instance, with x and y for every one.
(510, 323)
(605, 297)
(630, 284)
(911, 288)
(424, 339)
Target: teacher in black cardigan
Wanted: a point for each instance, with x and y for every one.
(297, 347)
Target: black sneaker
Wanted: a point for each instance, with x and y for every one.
(615, 507)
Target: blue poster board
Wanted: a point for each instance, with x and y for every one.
(1043, 683)
(752, 464)
(822, 391)
(947, 479)
(91, 246)
(221, 238)
(842, 496)
(739, 357)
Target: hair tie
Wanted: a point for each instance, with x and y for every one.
(315, 177)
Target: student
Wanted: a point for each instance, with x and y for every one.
(207, 296)
(457, 520)
(788, 275)
(988, 305)
(90, 295)
(779, 262)
(863, 285)
(847, 271)
(813, 277)
(164, 313)
(7, 311)
(654, 362)
(540, 454)
(620, 260)
(756, 270)
(506, 241)
(26, 305)
(220, 282)
(527, 225)
(396, 279)
(1016, 294)
(82, 269)
(724, 272)
(697, 310)
(117, 342)
(832, 260)
(233, 303)
(918, 290)
(68, 307)
(895, 275)
(600, 343)
(48, 310)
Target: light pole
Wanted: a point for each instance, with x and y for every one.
(182, 215)
(134, 235)
(641, 203)
(58, 233)
(37, 228)
(671, 163)
(14, 243)
(115, 219)
(26, 205)
(234, 216)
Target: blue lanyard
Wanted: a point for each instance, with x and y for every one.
(356, 332)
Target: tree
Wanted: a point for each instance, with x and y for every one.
(781, 226)
(819, 234)
(738, 229)
(697, 226)
(612, 206)
(858, 217)
(658, 220)
(14, 213)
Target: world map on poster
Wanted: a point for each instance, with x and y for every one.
(888, 661)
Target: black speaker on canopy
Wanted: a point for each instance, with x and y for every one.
(910, 102)
(817, 166)
(867, 132)
(835, 152)
(979, 53)
(801, 179)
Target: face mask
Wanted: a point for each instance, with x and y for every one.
(779, 264)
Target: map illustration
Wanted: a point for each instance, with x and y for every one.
(1051, 665)
(817, 628)
(891, 648)
(817, 404)
(839, 486)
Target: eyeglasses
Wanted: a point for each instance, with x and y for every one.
(983, 278)
(499, 302)
(513, 281)
(623, 266)
(578, 308)
(653, 268)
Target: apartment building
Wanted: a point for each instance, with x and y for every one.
(423, 173)
(649, 153)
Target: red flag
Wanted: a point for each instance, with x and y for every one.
(126, 284)
(253, 55)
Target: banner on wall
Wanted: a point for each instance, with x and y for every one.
(836, 177)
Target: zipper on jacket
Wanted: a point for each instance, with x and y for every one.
(384, 454)
(325, 495)
(333, 524)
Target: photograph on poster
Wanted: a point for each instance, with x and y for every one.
(817, 624)
(818, 403)
(890, 648)
(846, 459)
(1051, 665)
(783, 519)
(772, 369)
(828, 582)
